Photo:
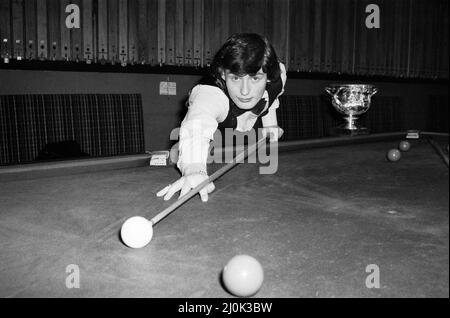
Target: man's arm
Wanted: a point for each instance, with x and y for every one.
(270, 119)
(208, 106)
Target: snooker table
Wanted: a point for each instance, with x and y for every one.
(334, 207)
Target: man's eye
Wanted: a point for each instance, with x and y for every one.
(235, 78)
(256, 78)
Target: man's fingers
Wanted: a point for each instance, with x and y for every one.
(163, 191)
(204, 195)
(210, 187)
(203, 192)
(264, 132)
(275, 133)
(184, 190)
(174, 188)
(185, 185)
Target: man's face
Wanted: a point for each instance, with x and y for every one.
(245, 91)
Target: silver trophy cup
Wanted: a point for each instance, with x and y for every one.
(351, 100)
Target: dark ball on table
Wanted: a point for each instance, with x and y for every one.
(394, 155)
(404, 145)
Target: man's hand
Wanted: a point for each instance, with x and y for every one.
(274, 133)
(185, 184)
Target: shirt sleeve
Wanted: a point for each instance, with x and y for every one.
(208, 105)
(270, 119)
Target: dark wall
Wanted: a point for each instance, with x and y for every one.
(163, 113)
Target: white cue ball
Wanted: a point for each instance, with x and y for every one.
(243, 276)
(136, 232)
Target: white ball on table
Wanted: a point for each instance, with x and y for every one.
(243, 276)
(136, 232)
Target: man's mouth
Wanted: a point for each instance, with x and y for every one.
(245, 100)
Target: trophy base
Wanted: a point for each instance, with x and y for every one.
(344, 131)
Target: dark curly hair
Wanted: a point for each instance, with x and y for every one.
(245, 53)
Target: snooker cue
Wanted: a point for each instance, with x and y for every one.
(210, 179)
(439, 151)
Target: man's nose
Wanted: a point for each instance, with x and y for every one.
(245, 89)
